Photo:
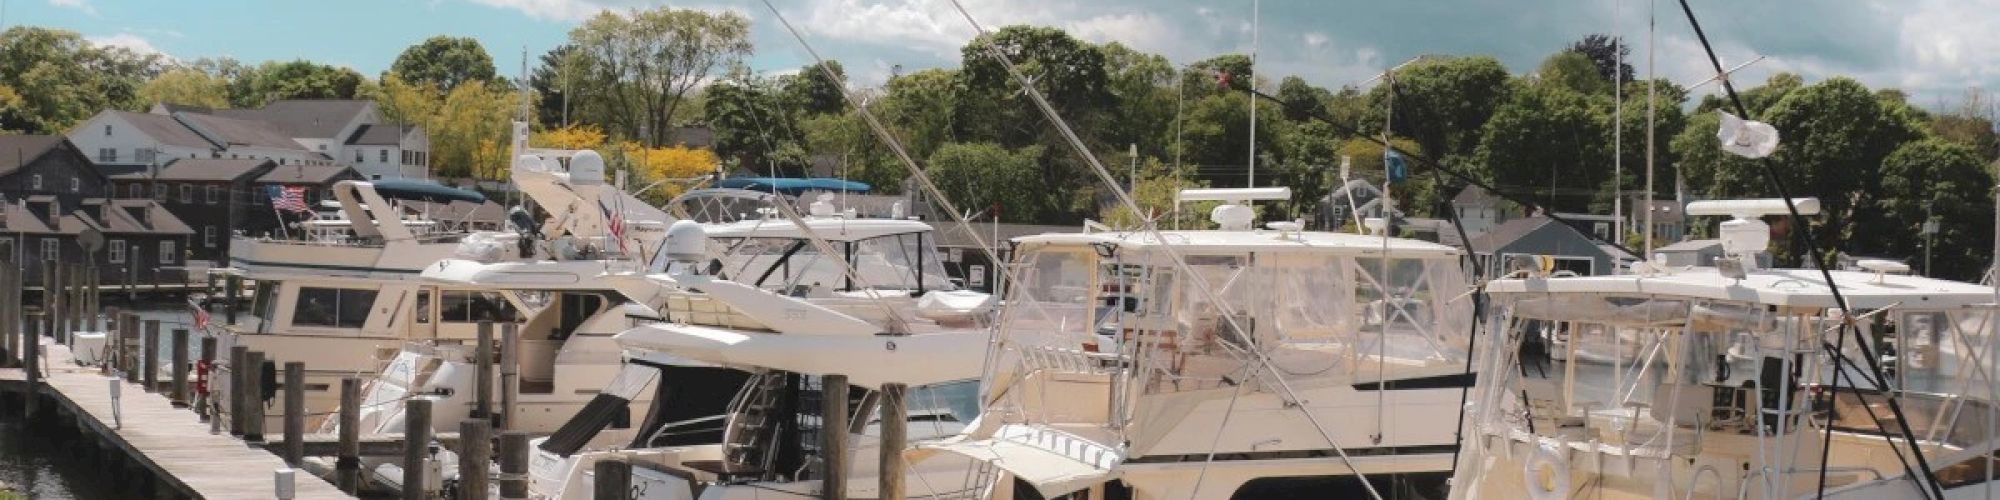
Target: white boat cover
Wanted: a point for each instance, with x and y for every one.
(872, 360)
(954, 304)
(1055, 462)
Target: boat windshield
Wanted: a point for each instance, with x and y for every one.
(906, 261)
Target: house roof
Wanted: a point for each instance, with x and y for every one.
(314, 118)
(1475, 196)
(19, 150)
(382, 134)
(233, 131)
(1508, 232)
(205, 169)
(1691, 246)
(157, 219)
(164, 130)
(304, 174)
(168, 108)
(18, 219)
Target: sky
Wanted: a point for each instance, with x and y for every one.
(1933, 49)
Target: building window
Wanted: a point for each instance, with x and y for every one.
(49, 248)
(136, 191)
(167, 252)
(332, 307)
(322, 147)
(107, 131)
(214, 194)
(117, 248)
(35, 181)
(357, 155)
(384, 157)
(187, 193)
(75, 184)
(208, 236)
(144, 155)
(159, 192)
(281, 161)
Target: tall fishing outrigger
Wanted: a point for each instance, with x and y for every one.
(1746, 389)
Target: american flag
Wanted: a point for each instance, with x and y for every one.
(615, 223)
(200, 315)
(288, 198)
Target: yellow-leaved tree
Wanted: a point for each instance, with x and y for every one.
(673, 167)
(571, 137)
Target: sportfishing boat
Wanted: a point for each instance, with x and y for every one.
(1239, 362)
(751, 316)
(1801, 409)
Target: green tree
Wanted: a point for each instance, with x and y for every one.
(755, 128)
(1205, 77)
(56, 79)
(1303, 99)
(1574, 71)
(637, 68)
(299, 79)
(1608, 54)
(1667, 124)
(985, 174)
(186, 86)
(1550, 140)
(1443, 103)
(469, 129)
(921, 107)
(444, 62)
(1836, 135)
(813, 92)
(1947, 182)
(1141, 85)
(1068, 72)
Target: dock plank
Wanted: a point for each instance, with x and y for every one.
(173, 442)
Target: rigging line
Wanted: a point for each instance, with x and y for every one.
(1886, 438)
(1805, 236)
(1216, 441)
(916, 172)
(1173, 255)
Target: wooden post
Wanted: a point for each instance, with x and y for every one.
(895, 436)
(482, 401)
(65, 319)
(475, 457)
(31, 346)
(513, 465)
(833, 437)
(510, 373)
(180, 368)
(253, 396)
(416, 446)
(149, 365)
(235, 287)
(52, 298)
(239, 358)
(295, 413)
(9, 330)
(203, 398)
(614, 480)
(347, 467)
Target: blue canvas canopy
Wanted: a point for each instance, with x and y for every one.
(792, 186)
(404, 189)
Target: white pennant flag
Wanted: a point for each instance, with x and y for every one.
(1747, 138)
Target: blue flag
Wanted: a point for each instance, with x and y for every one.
(1393, 163)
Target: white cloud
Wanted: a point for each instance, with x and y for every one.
(553, 10)
(80, 5)
(128, 41)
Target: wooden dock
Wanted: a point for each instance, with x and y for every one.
(170, 442)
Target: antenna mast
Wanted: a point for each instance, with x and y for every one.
(1255, 21)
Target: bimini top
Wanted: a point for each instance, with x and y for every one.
(792, 186)
(1211, 242)
(829, 228)
(1775, 287)
(403, 189)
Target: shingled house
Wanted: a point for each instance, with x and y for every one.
(53, 194)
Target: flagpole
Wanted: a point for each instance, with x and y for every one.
(1255, 19)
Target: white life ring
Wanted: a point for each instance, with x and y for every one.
(1557, 485)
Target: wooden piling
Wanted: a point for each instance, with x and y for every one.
(149, 363)
(239, 358)
(895, 436)
(51, 299)
(59, 288)
(510, 373)
(347, 467)
(614, 480)
(10, 331)
(253, 404)
(295, 413)
(416, 446)
(31, 362)
(833, 437)
(203, 401)
(513, 465)
(230, 294)
(482, 400)
(475, 457)
(179, 392)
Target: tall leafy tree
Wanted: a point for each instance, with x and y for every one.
(1945, 181)
(54, 79)
(298, 79)
(640, 65)
(1068, 72)
(186, 86)
(986, 174)
(813, 92)
(444, 62)
(1549, 140)
(921, 107)
(755, 128)
(1142, 87)
(1608, 54)
(1442, 102)
(1574, 71)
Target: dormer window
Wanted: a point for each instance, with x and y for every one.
(35, 181)
(107, 131)
(75, 184)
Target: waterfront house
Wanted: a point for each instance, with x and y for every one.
(53, 194)
(348, 131)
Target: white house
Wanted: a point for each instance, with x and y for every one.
(122, 142)
(351, 131)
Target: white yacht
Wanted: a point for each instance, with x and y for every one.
(1228, 363)
(1778, 414)
(751, 315)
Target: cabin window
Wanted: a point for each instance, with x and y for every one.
(167, 252)
(117, 248)
(456, 306)
(49, 247)
(160, 192)
(75, 184)
(187, 193)
(208, 236)
(424, 306)
(35, 181)
(333, 307)
(136, 191)
(214, 195)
